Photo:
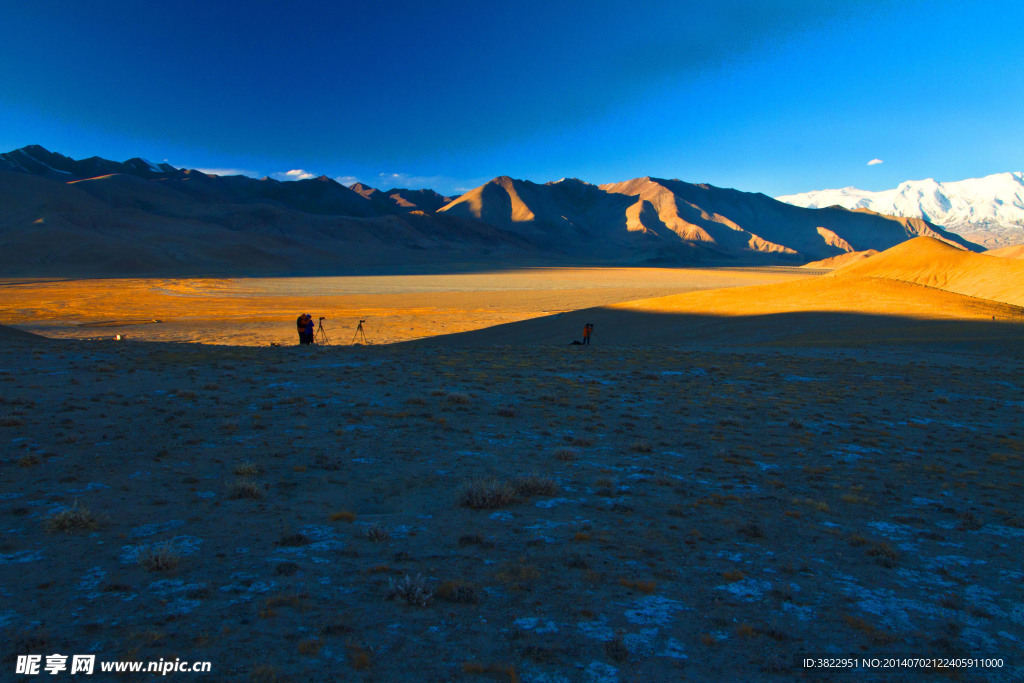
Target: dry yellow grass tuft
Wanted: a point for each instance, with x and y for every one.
(485, 494)
(342, 516)
(74, 518)
(160, 558)
(244, 488)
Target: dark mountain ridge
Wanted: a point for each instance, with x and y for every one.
(61, 216)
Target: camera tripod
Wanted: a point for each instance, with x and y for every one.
(321, 335)
(360, 334)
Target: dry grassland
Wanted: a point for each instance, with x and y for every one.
(260, 311)
(616, 513)
(723, 483)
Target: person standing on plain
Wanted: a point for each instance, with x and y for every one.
(309, 329)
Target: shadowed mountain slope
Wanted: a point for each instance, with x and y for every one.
(669, 216)
(125, 225)
(62, 216)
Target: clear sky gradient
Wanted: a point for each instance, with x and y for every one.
(772, 96)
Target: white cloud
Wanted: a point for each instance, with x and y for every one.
(294, 174)
(346, 180)
(875, 162)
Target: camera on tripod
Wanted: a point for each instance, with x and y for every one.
(323, 317)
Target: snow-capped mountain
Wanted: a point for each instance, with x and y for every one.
(987, 210)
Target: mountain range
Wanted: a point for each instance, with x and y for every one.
(96, 217)
(987, 210)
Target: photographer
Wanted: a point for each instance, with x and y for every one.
(304, 323)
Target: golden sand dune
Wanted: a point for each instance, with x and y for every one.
(904, 294)
(841, 260)
(929, 262)
(1016, 251)
(832, 310)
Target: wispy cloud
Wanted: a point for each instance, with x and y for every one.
(228, 171)
(347, 180)
(875, 162)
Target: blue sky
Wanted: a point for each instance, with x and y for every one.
(775, 97)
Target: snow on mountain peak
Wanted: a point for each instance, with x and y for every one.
(989, 210)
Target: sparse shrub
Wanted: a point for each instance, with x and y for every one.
(534, 485)
(854, 498)
(474, 539)
(293, 540)
(751, 530)
(286, 568)
(33, 639)
(29, 460)
(244, 488)
(575, 561)
(159, 558)
(483, 494)
(247, 469)
(375, 532)
(745, 631)
(343, 516)
(640, 446)
(310, 646)
(74, 518)
(458, 398)
(883, 554)
(968, 522)
(413, 591)
(616, 650)
(458, 591)
(185, 394)
(264, 673)
(733, 575)
(508, 670)
(358, 657)
(518, 576)
(508, 411)
(647, 587)
(565, 454)
(11, 421)
(876, 635)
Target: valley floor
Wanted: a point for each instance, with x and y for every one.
(659, 513)
(397, 307)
